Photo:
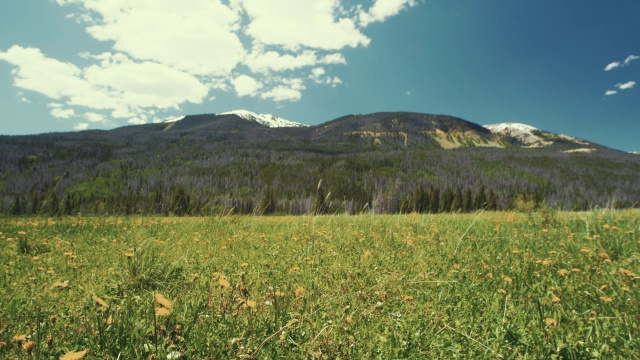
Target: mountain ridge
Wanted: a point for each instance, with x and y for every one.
(392, 129)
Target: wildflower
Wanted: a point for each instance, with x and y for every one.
(551, 322)
(279, 293)
(223, 282)
(408, 298)
(20, 338)
(348, 320)
(74, 355)
(489, 275)
(299, 292)
(163, 301)
(563, 272)
(29, 345)
(507, 279)
(251, 304)
(244, 264)
(555, 300)
(101, 302)
(162, 312)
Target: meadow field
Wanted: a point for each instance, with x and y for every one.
(483, 285)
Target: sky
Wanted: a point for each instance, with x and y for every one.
(567, 67)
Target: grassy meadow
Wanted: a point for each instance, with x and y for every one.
(483, 285)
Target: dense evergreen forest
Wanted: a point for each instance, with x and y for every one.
(206, 165)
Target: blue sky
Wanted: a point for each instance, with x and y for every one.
(563, 66)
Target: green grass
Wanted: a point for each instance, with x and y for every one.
(488, 285)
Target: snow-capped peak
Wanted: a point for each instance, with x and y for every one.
(263, 119)
(523, 133)
(510, 126)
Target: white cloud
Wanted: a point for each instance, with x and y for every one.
(282, 93)
(93, 117)
(617, 64)
(81, 126)
(262, 62)
(166, 53)
(61, 113)
(246, 85)
(626, 86)
(612, 66)
(631, 58)
(196, 36)
(610, 92)
(117, 83)
(383, 9)
(137, 121)
(293, 24)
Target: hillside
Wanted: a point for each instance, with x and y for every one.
(251, 163)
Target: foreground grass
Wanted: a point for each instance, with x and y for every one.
(490, 285)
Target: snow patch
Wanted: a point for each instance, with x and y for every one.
(523, 133)
(173, 119)
(583, 150)
(267, 120)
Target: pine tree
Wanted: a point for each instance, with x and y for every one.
(467, 201)
(481, 198)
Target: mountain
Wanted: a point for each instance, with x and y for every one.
(264, 119)
(530, 137)
(251, 163)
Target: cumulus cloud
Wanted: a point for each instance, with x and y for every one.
(612, 66)
(246, 85)
(617, 64)
(282, 93)
(293, 24)
(610, 92)
(81, 126)
(630, 58)
(165, 53)
(60, 113)
(384, 9)
(116, 84)
(626, 86)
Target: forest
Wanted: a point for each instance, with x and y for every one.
(220, 165)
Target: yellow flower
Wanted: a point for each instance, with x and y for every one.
(100, 302)
(223, 282)
(163, 301)
(551, 322)
(300, 292)
(73, 355)
(162, 311)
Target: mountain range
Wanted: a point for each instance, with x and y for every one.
(256, 163)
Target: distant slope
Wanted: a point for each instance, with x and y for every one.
(383, 162)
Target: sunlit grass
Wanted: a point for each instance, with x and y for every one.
(478, 285)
